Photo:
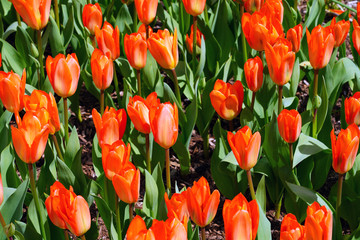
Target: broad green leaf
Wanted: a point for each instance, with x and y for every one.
(264, 229)
(150, 206)
(72, 147)
(261, 194)
(11, 59)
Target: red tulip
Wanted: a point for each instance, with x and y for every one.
(102, 69)
(136, 50)
(12, 90)
(194, 7)
(352, 109)
(92, 17)
(318, 223)
(189, 40)
(356, 36)
(341, 30)
(127, 183)
(177, 207)
(253, 69)
(291, 229)
(294, 35)
(289, 123)
(146, 10)
(108, 40)
(114, 157)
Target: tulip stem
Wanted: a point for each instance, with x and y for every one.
(291, 155)
(110, 9)
(57, 147)
(253, 101)
(206, 16)
(66, 234)
(135, 17)
(167, 163)
(278, 209)
(315, 93)
(203, 237)
(280, 89)
(194, 44)
(243, 40)
(231, 125)
(36, 199)
(83, 237)
(138, 77)
(88, 1)
(131, 213)
(147, 29)
(18, 19)
(206, 145)
(93, 42)
(118, 220)
(66, 120)
(56, 8)
(251, 185)
(339, 193)
(261, 55)
(116, 83)
(42, 74)
(102, 102)
(3, 224)
(176, 83)
(148, 161)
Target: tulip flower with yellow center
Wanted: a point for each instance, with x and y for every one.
(291, 229)
(352, 109)
(318, 223)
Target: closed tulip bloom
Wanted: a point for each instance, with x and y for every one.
(164, 123)
(127, 183)
(163, 46)
(252, 6)
(259, 29)
(294, 35)
(108, 40)
(12, 90)
(227, 99)
(273, 8)
(344, 148)
(194, 7)
(146, 10)
(172, 229)
(253, 69)
(63, 74)
(320, 44)
(111, 126)
(241, 218)
(189, 40)
(202, 205)
(114, 157)
(1, 191)
(30, 138)
(280, 59)
(138, 110)
(177, 207)
(352, 109)
(35, 13)
(291, 229)
(341, 30)
(67, 210)
(92, 17)
(102, 69)
(245, 147)
(137, 230)
(289, 123)
(136, 50)
(318, 223)
(356, 36)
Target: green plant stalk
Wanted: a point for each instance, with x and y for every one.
(56, 8)
(194, 45)
(88, 2)
(206, 145)
(231, 125)
(135, 20)
(110, 9)
(344, 5)
(176, 83)
(181, 19)
(280, 90)
(93, 42)
(116, 83)
(57, 147)
(339, 194)
(83, 237)
(66, 234)
(18, 19)
(106, 190)
(251, 185)
(147, 29)
(278, 209)
(253, 101)
(118, 219)
(66, 120)
(138, 77)
(131, 214)
(36, 199)
(291, 154)
(315, 94)
(148, 160)
(206, 16)
(42, 74)
(203, 237)
(102, 102)
(3, 224)
(167, 163)
(243, 40)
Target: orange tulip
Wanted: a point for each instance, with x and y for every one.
(114, 157)
(108, 40)
(102, 69)
(136, 50)
(291, 229)
(280, 59)
(1, 191)
(146, 10)
(356, 36)
(253, 5)
(111, 126)
(163, 46)
(259, 29)
(12, 90)
(358, 11)
(63, 74)
(194, 7)
(253, 69)
(39, 100)
(294, 35)
(164, 123)
(227, 99)
(241, 218)
(137, 230)
(30, 138)
(92, 17)
(189, 40)
(172, 228)
(344, 148)
(245, 147)
(35, 13)
(177, 207)
(138, 110)
(201, 205)
(273, 8)
(68, 211)
(318, 223)
(289, 123)
(352, 109)
(320, 44)
(127, 183)
(341, 30)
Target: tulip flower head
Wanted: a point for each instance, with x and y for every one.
(177, 207)
(202, 205)
(92, 17)
(137, 230)
(252, 6)
(66, 210)
(12, 90)
(253, 69)
(114, 157)
(146, 10)
(341, 30)
(63, 74)
(172, 228)
(321, 43)
(294, 35)
(245, 147)
(291, 229)
(356, 36)
(127, 183)
(163, 46)
(102, 69)
(344, 148)
(273, 8)
(108, 40)
(136, 50)
(194, 7)
(35, 13)
(318, 223)
(352, 109)
(111, 126)
(227, 99)
(289, 123)
(358, 11)
(189, 40)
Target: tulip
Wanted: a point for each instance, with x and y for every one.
(114, 157)
(356, 36)
(273, 8)
(358, 11)
(30, 138)
(253, 69)
(172, 228)
(63, 74)
(177, 207)
(194, 7)
(92, 17)
(137, 230)
(102, 69)
(291, 229)
(320, 44)
(289, 123)
(127, 183)
(108, 40)
(136, 50)
(67, 210)
(241, 218)
(35, 13)
(318, 223)
(146, 10)
(352, 109)
(111, 126)
(202, 205)
(189, 40)
(294, 35)
(227, 99)
(341, 30)
(252, 6)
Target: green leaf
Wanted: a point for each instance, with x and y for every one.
(69, 27)
(72, 147)
(8, 170)
(261, 194)
(162, 210)
(12, 59)
(65, 175)
(33, 217)
(107, 215)
(264, 229)
(150, 207)
(56, 40)
(23, 44)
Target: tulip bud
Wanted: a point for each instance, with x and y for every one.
(12, 90)
(291, 229)
(108, 40)
(352, 109)
(294, 35)
(146, 10)
(194, 7)
(92, 17)
(289, 123)
(189, 40)
(102, 69)
(127, 183)
(114, 157)
(341, 29)
(253, 70)
(318, 223)
(356, 36)
(136, 50)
